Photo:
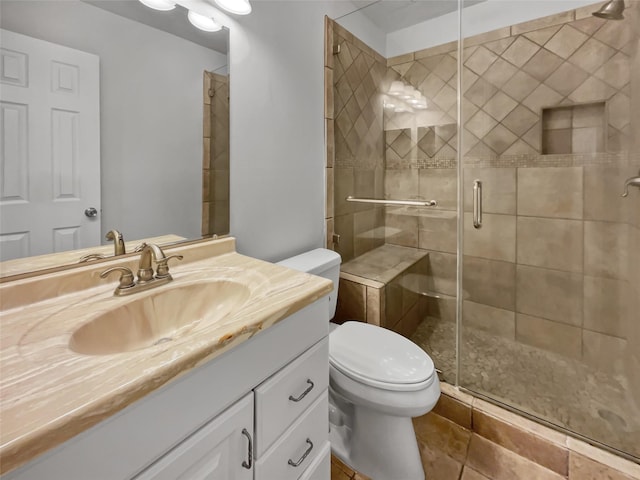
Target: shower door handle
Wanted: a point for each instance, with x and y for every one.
(477, 204)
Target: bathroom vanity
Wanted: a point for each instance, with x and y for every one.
(241, 397)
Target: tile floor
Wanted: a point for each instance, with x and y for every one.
(452, 452)
(559, 389)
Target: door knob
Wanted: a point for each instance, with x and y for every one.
(91, 212)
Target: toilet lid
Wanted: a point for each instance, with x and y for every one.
(375, 356)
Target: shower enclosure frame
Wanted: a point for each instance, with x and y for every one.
(463, 187)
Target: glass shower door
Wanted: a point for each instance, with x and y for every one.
(550, 249)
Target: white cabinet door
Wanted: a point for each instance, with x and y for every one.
(50, 154)
(221, 450)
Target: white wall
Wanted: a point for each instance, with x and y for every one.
(151, 112)
(277, 141)
(277, 127)
(479, 18)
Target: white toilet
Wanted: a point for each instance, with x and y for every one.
(378, 381)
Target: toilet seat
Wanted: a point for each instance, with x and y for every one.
(379, 358)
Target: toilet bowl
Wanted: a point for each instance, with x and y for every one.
(378, 381)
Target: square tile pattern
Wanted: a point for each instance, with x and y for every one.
(538, 100)
(355, 80)
(382, 287)
(465, 438)
(555, 86)
(515, 82)
(575, 129)
(215, 161)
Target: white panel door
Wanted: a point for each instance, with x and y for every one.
(49, 147)
(221, 450)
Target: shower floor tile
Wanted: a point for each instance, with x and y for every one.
(561, 390)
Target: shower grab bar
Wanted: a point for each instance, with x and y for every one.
(411, 203)
(477, 204)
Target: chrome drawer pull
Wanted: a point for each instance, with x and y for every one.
(248, 464)
(305, 455)
(303, 394)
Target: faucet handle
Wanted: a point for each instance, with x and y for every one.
(91, 256)
(126, 278)
(162, 266)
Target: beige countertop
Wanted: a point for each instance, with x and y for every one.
(48, 393)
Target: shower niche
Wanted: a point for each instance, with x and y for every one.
(574, 129)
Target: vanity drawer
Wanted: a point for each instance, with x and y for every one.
(320, 468)
(282, 398)
(300, 444)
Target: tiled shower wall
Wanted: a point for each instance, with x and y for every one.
(215, 158)
(551, 265)
(357, 80)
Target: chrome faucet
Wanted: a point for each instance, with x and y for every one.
(147, 278)
(118, 242)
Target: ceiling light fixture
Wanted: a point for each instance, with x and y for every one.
(409, 92)
(239, 7)
(203, 22)
(404, 98)
(162, 5)
(421, 104)
(396, 89)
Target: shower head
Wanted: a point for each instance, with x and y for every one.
(612, 10)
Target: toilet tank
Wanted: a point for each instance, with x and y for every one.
(322, 262)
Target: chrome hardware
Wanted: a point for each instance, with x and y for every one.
(477, 204)
(91, 212)
(612, 10)
(336, 239)
(631, 182)
(248, 464)
(411, 203)
(304, 455)
(303, 394)
(336, 49)
(118, 242)
(91, 256)
(146, 278)
(126, 279)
